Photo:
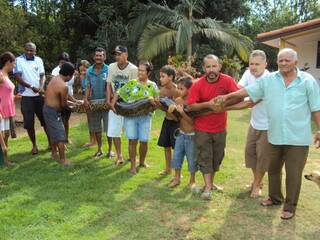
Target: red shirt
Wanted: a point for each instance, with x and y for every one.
(203, 91)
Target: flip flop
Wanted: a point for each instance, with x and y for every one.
(98, 155)
(119, 162)
(110, 155)
(164, 173)
(268, 202)
(286, 215)
(143, 165)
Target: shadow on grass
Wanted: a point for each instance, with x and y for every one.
(247, 219)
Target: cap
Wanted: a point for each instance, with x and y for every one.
(120, 49)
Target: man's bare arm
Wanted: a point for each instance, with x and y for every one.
(64, 97)
(316, 118)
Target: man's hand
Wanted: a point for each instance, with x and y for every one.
(86, 103)
(179, 108)
(217, 104)
(317, 139)
(171, 108)
(35, 90)
(152, 101)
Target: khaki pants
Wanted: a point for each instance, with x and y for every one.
(294, 159)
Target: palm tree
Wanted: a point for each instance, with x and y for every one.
(161, 27)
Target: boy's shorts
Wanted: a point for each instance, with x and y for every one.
(167, 134)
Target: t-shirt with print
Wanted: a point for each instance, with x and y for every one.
(203, 91)
(118, 77)
(259, 117)
(135, 90)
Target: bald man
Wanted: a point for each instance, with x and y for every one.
(30, 74)
(291, 97)
(210, 129)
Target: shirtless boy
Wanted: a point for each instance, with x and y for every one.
(170, 123)
(55, 101)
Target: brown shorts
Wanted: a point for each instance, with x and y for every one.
(210, 150)
(257, 152)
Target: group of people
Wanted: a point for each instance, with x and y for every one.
(282, 102)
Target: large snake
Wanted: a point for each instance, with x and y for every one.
(138, 108)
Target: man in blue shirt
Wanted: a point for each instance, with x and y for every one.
(29, 73)
(96, 89)
(291, 97)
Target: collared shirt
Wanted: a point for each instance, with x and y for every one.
(97, 82)
(259, 118)
(289, 108)
(30, 70)
(69, 84)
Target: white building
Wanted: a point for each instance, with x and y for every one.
(304, 38)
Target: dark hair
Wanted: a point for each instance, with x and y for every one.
(64, 56)
(5, 57)
(185, 81)
(67, 69)
(100, 49)
(147, 64)
(170, 71)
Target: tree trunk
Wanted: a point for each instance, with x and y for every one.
(189, 51)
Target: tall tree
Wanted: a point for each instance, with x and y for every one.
(163, 27)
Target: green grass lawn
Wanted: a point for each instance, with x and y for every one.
(39, 199)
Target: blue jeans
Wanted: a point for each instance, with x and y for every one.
(138, 128)
(184, 147)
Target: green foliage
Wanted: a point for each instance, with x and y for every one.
(162, 27)
(231, 66)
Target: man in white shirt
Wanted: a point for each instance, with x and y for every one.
(30, 74)
(257, 145)
(119, 73)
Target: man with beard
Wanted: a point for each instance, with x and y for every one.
(210, 129)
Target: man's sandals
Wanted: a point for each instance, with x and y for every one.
(285, 215)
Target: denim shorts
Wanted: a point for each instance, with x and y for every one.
(184, 147)
(138, 128)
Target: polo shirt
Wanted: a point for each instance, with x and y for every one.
(289, 108)
(30, 71)
(97, 82)
(203, 91)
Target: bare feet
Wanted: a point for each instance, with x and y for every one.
(9, 163)
(255, 192)
(55, 156)
(65, 163)
(133, 171)
(35, 151)
(174, 182)
(191, 185)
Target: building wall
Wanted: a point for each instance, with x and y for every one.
(307, 53)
